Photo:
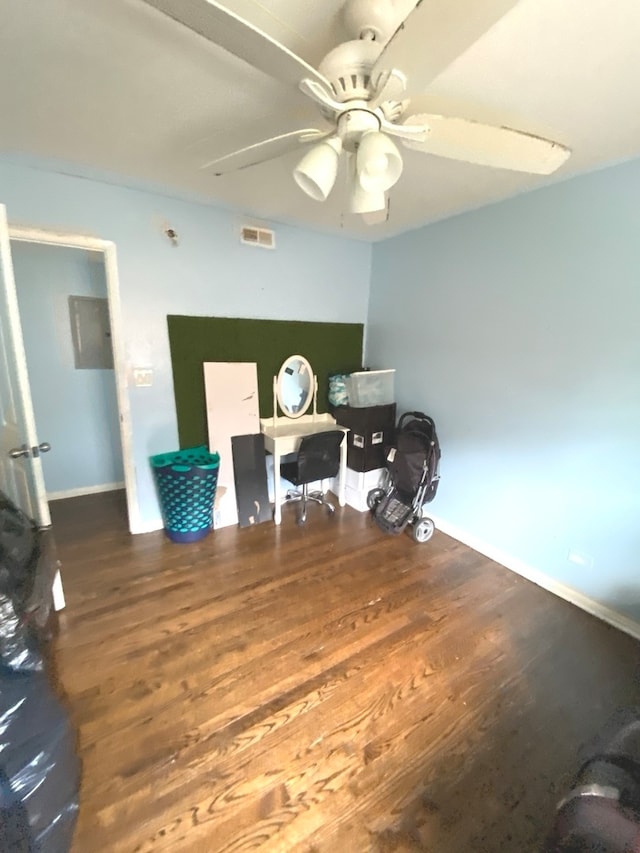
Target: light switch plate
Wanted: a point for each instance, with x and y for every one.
(142, 377)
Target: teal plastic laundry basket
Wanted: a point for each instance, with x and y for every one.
(187, 481)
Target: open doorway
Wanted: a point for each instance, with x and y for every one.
(63, 303)
(85, 412)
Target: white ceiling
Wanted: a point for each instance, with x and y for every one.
(114, 85)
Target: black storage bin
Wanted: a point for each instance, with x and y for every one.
(371, 433)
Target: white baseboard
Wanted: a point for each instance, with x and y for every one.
(84, 490)
(568, 593)
(146, 526)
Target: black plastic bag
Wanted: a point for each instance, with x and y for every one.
(39, 769)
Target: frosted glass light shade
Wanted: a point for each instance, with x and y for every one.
(361, 201)
(316, 173)
(378, 162)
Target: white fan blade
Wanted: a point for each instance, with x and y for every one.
(500, 147)
(434, 34)
(221, 26)
(267, 149)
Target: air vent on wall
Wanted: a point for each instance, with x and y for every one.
(263, 237)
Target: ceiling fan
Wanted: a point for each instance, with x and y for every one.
(364, 89)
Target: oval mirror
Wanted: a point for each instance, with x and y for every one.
(295, 386)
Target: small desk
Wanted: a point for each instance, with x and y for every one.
(284, 437)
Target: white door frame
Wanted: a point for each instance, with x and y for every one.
(108, 249)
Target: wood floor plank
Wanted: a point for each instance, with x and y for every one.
(324, 688)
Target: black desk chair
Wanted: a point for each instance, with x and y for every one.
(318, 459)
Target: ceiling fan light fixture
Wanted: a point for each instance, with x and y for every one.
(360, 200)
(378, 162)
(316, 173)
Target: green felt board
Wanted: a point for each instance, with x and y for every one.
(329, 347)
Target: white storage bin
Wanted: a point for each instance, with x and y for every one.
(358, 484)
(371, 388)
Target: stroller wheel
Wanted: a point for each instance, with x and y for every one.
(423, 530)
(374, 497)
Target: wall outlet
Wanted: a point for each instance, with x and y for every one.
(579, 558)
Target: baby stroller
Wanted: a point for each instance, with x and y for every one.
(412, 476)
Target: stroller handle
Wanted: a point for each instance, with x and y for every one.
(407, 416)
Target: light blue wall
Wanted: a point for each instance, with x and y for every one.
(309, 276)
(518, 328)
(76, 410)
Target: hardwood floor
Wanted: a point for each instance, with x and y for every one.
(325, 688)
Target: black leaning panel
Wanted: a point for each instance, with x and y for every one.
(329, 348)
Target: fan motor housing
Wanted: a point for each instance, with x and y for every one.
(354, 123)
(348, 68)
